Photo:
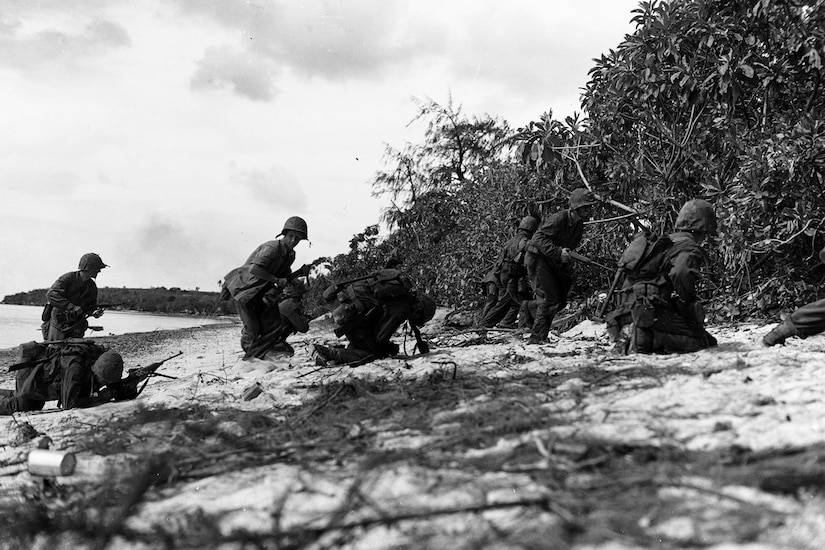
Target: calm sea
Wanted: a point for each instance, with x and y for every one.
(22, 323)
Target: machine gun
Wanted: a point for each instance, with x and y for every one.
(127, 388)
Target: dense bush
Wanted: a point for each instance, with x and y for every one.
(720, 99)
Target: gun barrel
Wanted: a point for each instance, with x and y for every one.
(585, 260)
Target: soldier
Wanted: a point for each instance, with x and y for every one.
(290, 319)
(369, 311)
(807, 320)
(489, 288)
(256, 286)
(510, 277)
(77, 373)
(548, 260)
(71, 299)
(660, 310)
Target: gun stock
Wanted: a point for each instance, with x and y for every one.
(616, 280)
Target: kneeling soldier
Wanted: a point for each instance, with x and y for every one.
(660, 311)
(369, 311)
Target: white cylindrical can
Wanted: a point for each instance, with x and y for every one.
(46, 463)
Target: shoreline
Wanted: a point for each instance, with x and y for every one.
(139, 311)
(131, 345)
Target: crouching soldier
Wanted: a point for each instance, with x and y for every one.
(807, 320)
(368, 311)
(548, 260)
(659, 309)
(513, 287)
(256, 286)
(77, 373)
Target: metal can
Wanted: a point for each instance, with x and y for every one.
(46, 463)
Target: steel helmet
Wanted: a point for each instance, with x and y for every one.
(91, 262)
(529, 223)
(423, 310)
(296, 224)
(109, 367)
(696, 215)
(581, 197)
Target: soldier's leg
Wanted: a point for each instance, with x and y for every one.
(806, 321)
(14, 404)
(352, 356)
(674, 333)
(547, 291)
(642, 340)
(490, 297)
(248, 313)
(499, 310)
(511, 316)
(620, 330)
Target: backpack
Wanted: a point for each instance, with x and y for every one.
(642, 259)
(390, 284)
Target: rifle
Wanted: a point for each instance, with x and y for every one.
(127, 387)
(616, 280)
(297, 273)
(585, 260)
(96, 312)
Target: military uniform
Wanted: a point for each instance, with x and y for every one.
(512, 287)
(256, 286)
(74, 374)
(551, 276)
(369, 312)
(660, 310)
(72, 298)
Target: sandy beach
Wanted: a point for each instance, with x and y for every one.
(484, 442)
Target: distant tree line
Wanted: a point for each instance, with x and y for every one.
(151, 300)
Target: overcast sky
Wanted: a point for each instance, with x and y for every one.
(172, 137)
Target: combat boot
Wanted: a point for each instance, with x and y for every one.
(641, 340)
(779, 334)
(622, 345)
(322, 355)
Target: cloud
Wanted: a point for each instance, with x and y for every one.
(245, 74)
(327, 39)
(276, 188)
(48, 47)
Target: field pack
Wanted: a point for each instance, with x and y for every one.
(642, 259)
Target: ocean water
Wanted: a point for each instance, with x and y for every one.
(22, 323)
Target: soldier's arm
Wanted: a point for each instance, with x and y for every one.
(542, 241)
(266, 255)
(684, 274)
(57, 293)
